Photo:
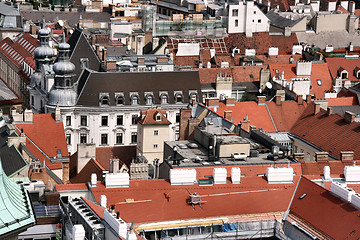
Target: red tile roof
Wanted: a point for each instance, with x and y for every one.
(148, 117)
(335, 65)
(343, 101)
(261, 42)
(330, 133)
(84, 175)
(257, 114)
(318, 71)
(325, 212)
(125, 153)
(157, 200)
(238, 73)
(48, 135)
(71, 187)
(317, 168)
(98, 210)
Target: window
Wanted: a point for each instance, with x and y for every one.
(236, 23)
(156, 132)
(319, 82)
(134, 119)
(134, 100)
(158, 117)
(83, 138)
(344, 75)
(235, 12)
(119, 138)
(104, 139)
(164, 98)
(254, 12)
(120, 100)
(104, 120)
(68, 120)
(259, 20)
(105, 100)
(83, 120)
(193, 97)
(68, 139)
(120, 120)
(178, 98)
(149, 99)
(155, 146)
(178, 117)
(133, 137)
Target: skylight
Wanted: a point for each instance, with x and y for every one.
(319, 82)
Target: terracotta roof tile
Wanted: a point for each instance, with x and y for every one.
(337, 65)
(317, 168)
(343, 101)
(318, 71)
(325, 212)
(84, 175)
(71, 187)
(238, 73)
(148, 117)
(330, 133)
(98, 210)
(125, 153)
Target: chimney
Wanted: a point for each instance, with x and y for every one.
(349, 117)
(278, 100)
(329, 111)
(327, 173)
(141, 60)
(308, 98)
(155, 43)
(261, 100)
(299, 99)
(57, 114)
(230, 101)
(299, 157)
(352, 7)
(103, 201)
(93, 180)
(104, 54)
(114, 165)
(97, 48)
(321, 156)
(347, 156)
(212, 102)
(316, 108)
(245, 124)
(227, 115)
(78, 232)
(84, 153)
(28, 115)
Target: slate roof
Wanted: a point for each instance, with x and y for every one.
(92, 83)
(330, 133)
(325, 212)
(81, 48)
(342, 109)
(16, 213)
(279, 21)
(256, 188)
(11, 159)
(261, 42)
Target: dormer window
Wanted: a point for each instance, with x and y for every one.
(120, 100)
(134, 99)
(178, 98)
(193, 97)
(149, 99)
(104, 99)
(357, 72)
(343, 74)
(158, 117)
(164, 98)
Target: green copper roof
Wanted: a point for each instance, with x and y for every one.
(15, 205)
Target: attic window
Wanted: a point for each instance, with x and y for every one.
(164, 98)
(158, 117)
(319, 82)
(104, 100)
(194, 96)
(149, 99)
(134, 99)
(178, 98)
(119, 100)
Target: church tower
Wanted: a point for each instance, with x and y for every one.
(63, 93)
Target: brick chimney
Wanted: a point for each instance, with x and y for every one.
(228, 115)
(97, 48)
(141, 60)
(278, 100)
(321, 156)
(111, 66)
(347, 156)
(308, 98)
(104, 54)
(329, 111)
(261, 100)
(299, 157)
(212, 102)
(316, 108)
(350, 117)
(245, 124)
(230, 101)
(114, 165)
(299, 99)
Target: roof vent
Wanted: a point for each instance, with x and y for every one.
(182, 176)
(93, 181)
(327, 173)
(352, 173)
(103, 201)
(117, 180)
(235, 175)
(280, 175)
(219, 175)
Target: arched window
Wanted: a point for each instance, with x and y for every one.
(119, 100)
(164, 98)
(193, 97)
(105, 100)
(178, 98)
(134, 99)
(149, 99)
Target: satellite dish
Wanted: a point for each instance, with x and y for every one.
(269, 85)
